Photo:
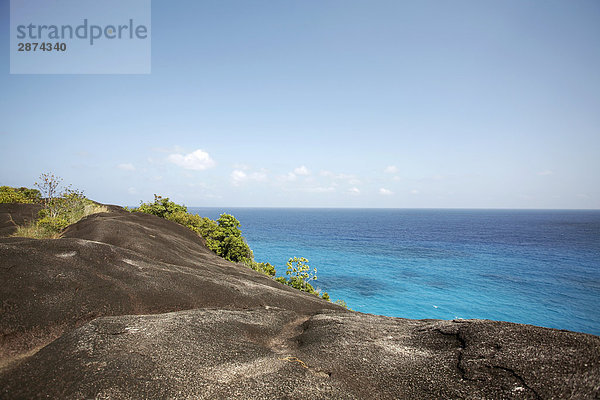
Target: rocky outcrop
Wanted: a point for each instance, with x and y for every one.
(134, 306)
(15, 214)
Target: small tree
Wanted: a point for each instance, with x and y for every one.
(301, 274)
(232, 246)
(48, 185)
(161, 207)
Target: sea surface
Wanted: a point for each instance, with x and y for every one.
(536, 267)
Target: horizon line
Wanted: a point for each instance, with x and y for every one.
(399, 208)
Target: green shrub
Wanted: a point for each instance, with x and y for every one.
(52, 224)
(194, 222)
(300, 275)
(267, 268)
(235, 248)
(264, 268)
(224, 237)
(19, 195)
(342, 303)
(161, 207)
(70, 205)
(59, 211)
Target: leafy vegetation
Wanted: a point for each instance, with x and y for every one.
(161, 207)
(19, 195)
(300, 275)
(61, 208)
(342, 303)
(224, 237)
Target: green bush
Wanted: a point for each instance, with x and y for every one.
(264, 268)
(70, 205)
(299, 276)
(235, 248)
(267, 268)
(194, 222)
(60, 210)
(224, 237)
(161, 207)
(52, 224)
(343, 304)
(19, 195)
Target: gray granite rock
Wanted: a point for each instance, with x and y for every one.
(129, 306)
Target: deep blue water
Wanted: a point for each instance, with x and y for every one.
(534, 267)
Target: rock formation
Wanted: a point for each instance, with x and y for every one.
(128, 305)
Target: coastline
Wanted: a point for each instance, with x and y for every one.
(129, 304)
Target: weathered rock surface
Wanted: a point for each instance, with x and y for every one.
(133, 306)
(130, 263)
(15, 214)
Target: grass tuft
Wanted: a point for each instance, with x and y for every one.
(41, 231)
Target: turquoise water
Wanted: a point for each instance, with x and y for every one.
(534, 267)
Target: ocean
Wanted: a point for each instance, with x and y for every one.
(539, 267)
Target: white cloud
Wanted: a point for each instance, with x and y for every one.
(289, 177)
(414, 191)
(354, 190)
(260, 176)
(238, 176)
(198, 160)
(391, 169)
(385, 192)
(351, 179)
(132, 190)
(126, 167)
(302, 171)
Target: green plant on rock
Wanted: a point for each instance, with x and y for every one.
(48, 184)
(61, 209)
(235, 248)
(161, 207)
(52, 224)
(224, 237)
(300, 274)
(70, 205)
(342, 303)
(19, 195)
(262, 267)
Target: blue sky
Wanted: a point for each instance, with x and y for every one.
(476, 104)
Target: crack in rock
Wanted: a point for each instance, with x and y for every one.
(518, 377)
(456, 333)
